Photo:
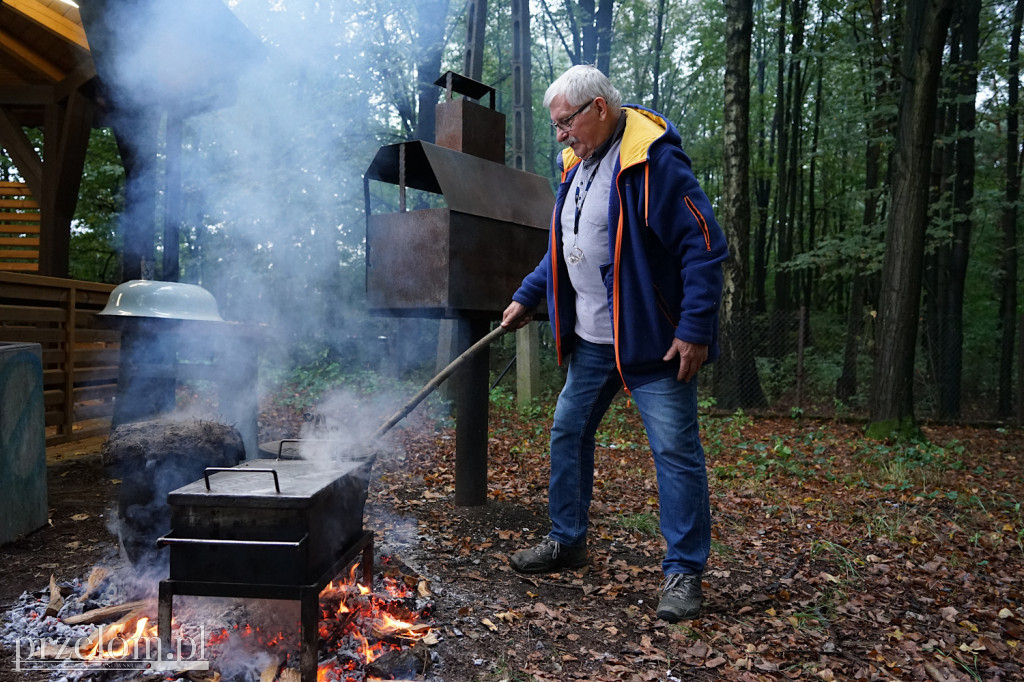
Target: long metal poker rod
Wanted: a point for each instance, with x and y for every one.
(437, 381)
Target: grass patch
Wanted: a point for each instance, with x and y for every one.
(845, 558)
(644, 523)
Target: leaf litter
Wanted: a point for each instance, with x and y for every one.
(833, 558)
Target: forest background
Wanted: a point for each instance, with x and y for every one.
(863, 157)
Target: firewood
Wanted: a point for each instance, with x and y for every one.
(56, 600)
(401, 663)
(106, 613)
(123, 626)
(96, 578)
(415, 632)
(269, 674)
(202, 676)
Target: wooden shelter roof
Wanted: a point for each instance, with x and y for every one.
(44, 53)
(52, 79)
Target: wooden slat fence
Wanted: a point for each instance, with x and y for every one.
(19, 228)
(80, 353)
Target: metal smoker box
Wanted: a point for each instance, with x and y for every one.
(266, 521)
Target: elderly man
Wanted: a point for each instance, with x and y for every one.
(632, 279)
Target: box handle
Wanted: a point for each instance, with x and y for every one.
(215, 470)
(170, 540)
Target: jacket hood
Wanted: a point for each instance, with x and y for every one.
(643, 127)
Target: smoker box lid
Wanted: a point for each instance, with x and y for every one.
(301, 483)
(468, 183)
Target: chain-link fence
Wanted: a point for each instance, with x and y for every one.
(791, 363)
(812, 364)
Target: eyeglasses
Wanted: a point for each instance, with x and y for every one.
(565, 125)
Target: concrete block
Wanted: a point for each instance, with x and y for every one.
(22, 440)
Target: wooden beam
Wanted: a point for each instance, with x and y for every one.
(26, 95)
(28, 57)
(67, 132)
(14, 139)
(52, 21)
(75, 80)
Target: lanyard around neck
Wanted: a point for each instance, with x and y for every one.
(582, 196)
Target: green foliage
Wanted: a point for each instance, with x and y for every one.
(900, 429)
(643, 523)
(718, 432)
(273, 192)
(911, 464)
(846, 558)
(619, 427)
(778, 457)
(304, 386)
(95, 237)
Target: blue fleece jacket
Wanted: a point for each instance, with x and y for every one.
(663, 272)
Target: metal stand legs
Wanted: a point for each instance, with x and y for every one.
(308, 595)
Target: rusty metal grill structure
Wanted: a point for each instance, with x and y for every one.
(465, 259)
(460, 261)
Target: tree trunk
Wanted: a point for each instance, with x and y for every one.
(782, 157)
(892, 402)
(846, 386)
(963, 199)
(936, 271)
(812, 211)
(1008, 276)
(787, 289)
(762, 188)
(431, 21)
(659, 45)
(590, 28)
(603, 22)
(736, 380)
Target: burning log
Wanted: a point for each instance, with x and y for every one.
(93, 583)
(133, 622)
(56, 600)
(269, 674)
(105, 613)
(202, 676)
(401, 663)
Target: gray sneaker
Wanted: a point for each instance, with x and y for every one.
(681, 597)
(549, 556)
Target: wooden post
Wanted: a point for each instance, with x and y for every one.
(527, 339)
(527, 364)
(71, 323)
(172, 197)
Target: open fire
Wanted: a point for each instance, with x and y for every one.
(383, 633)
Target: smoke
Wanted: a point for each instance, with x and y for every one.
(279, 104)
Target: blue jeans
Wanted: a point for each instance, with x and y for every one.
(669, 411)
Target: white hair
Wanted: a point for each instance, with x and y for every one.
(581, 83)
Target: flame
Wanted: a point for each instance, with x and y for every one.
(126, 645)
(373, 623)
(356, 621)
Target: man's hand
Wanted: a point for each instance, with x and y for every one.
(516, 316)
(691, 357)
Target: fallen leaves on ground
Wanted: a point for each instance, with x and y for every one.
(833, 558)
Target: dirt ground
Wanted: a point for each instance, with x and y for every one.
(831, 559)
(81, 498)
(469, 587)
(460, 551)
